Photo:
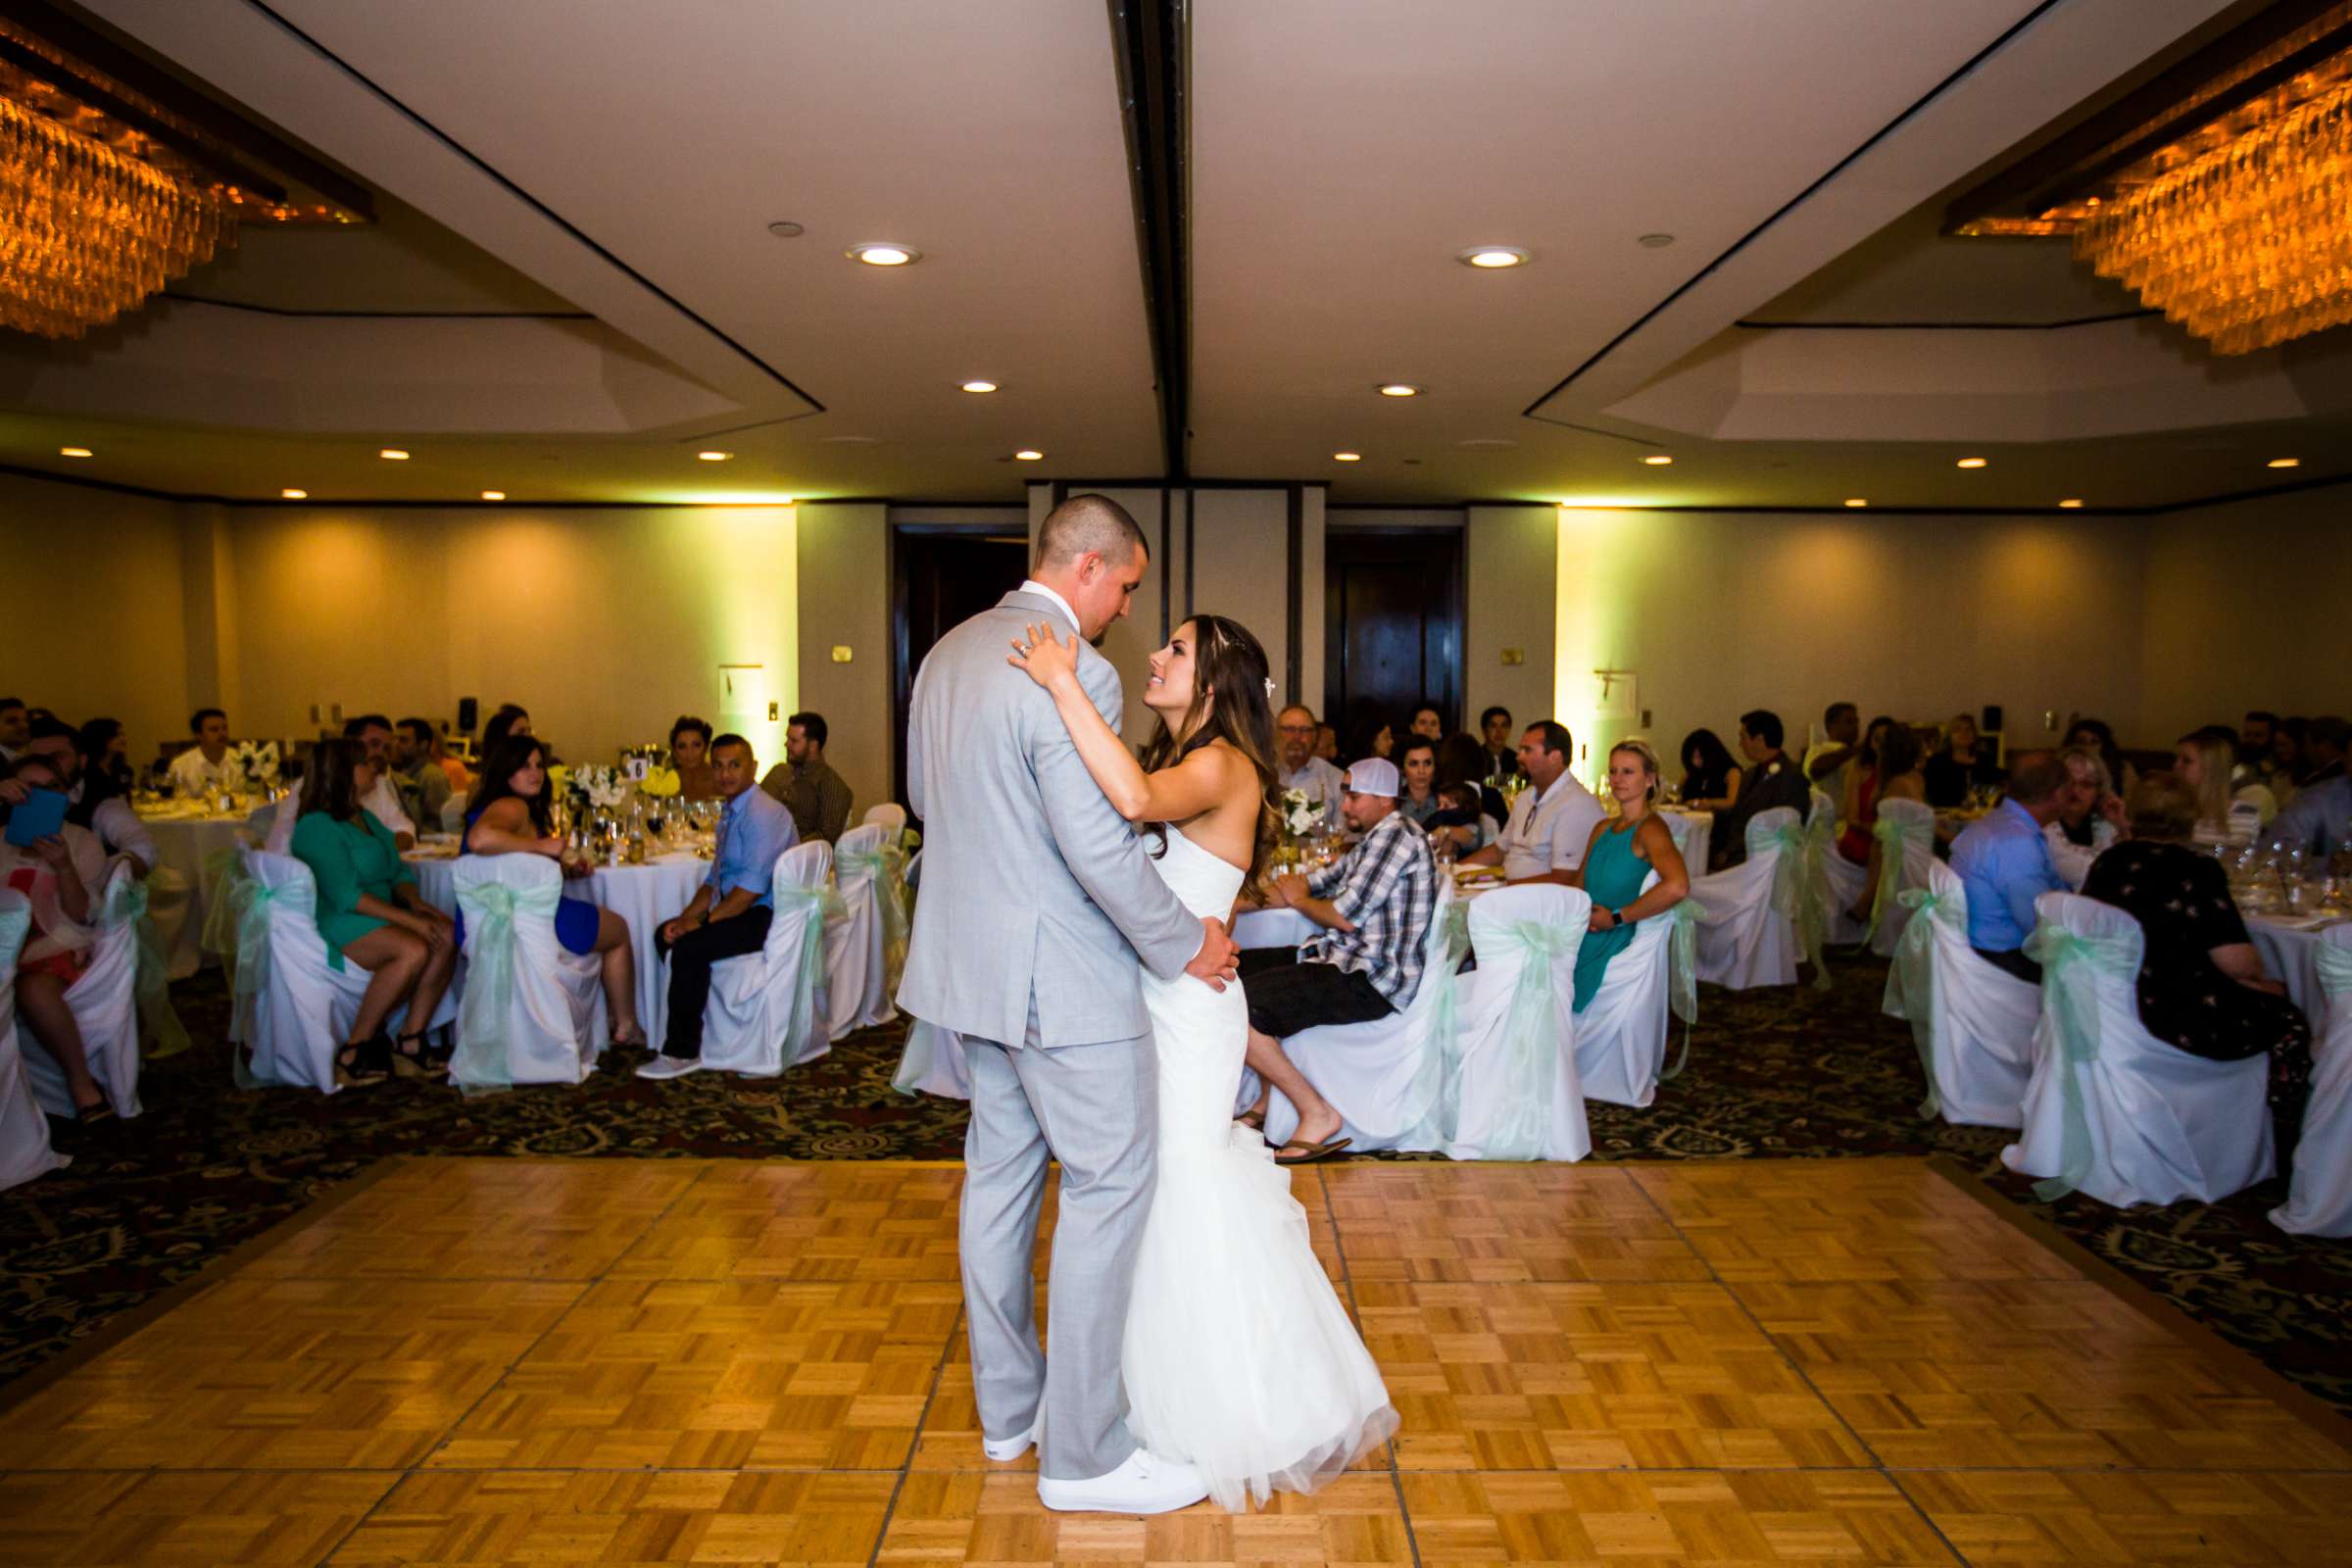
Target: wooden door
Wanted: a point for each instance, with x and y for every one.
(1392, 613)
(941, 577)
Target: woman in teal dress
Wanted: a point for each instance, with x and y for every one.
(1618, 858)
(369, 911)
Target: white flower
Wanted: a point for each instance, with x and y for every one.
(1300, 815)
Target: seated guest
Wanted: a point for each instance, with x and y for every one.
(98, 797)
(13, 725)
(1894, 775)
(2003, 862)
(2227, 813)
(1858, 806)
(1460, 820)
(1461, 760)
(1711, 778)
(203, 770)
(690, 756)
(1502, 751)
(510, 719)
(461, 782)
(2089, 814)
(1373, 904)
(1771, 779)
(1963, 763)
(1327, 744)
(1376, 737)
(2257, 740)
(370, 913)
(62, 877)
(2289, 761)
(1298, 768)
(1829, 762)
(1551, 820)
(2095, 733)
(371, 733)
(1618, 858)
(2201, 985)
(513, 812)
(806, 785)
(1428, 723)
(418, 779)
(2320, 821)
(1417, 763)
(731, 911)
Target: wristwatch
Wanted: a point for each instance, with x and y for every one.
(1616, 918)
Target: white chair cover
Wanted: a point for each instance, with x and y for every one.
(2111, 1110)
(1906, 838)
(293, 1008)
(105, 1006)
(912, 877)
(932, 1063)
(453, 815)
(1510, 1088)
(530, 1012)
(1750, 913)
(24, 1150)
(1834, 881)
(1621, 1035)
(1382, 1076)
(2319, 1199)
(862, 945)
(889, 814)
(1972, 1020)
(768, 1008)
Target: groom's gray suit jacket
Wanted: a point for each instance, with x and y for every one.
(1035, 890)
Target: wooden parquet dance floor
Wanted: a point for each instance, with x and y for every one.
(681, 1361)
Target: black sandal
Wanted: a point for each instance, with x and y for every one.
(91, 1115)
(355, 1063)
(416, 1061)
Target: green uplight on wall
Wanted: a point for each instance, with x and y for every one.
(750, 552)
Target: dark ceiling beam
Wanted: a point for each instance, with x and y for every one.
(1147, 42)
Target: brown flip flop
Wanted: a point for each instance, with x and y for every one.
(1314, 1152)
(1254, 1120)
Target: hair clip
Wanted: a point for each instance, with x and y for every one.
(1269, 688)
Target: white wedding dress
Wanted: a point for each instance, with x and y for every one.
(1238, 1358)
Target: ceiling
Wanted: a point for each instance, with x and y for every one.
(572, 287)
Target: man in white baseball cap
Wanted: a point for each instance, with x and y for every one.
(1374, 908)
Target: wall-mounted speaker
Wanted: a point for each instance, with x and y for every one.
(1993, 718)
(470, 711)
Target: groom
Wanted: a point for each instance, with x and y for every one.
(1037, 902)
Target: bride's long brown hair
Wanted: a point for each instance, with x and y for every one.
(1230, 703)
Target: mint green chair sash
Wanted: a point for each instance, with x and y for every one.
(1915, 965)
(1434, 1110)
(1794, 877)
(160, 1029)
(1895, 841)
(13, 923)
(483, 1062)
(223, 871)
(2335, 968)
(250, 901)
(2071, 966)
(887, 867)
(816, 906)
(1682, 973)
(1531, 1037)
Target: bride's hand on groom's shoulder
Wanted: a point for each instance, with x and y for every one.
(1040, 652)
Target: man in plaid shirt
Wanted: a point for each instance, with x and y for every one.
(1374, 907)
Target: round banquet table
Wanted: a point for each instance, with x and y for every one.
(182, 846)
(2291, 955)
(645, 895)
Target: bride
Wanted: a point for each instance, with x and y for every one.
(1239, 1358)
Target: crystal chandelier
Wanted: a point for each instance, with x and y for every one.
(86, 233)
(2248, 244)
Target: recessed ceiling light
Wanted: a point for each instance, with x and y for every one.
(294, 495)
(2284, 463)
(393, 455)
(786, 228)
(1655, 242)
(2070, 503)
(715, 457)
(1659, 460)
(74, 451)
(979, 386)
(1492, 258)
(1398, 389)
(494, 495)
(882, 253)
(1347, 457)
(1028, 455)
(1856, 501)
(1969, 462)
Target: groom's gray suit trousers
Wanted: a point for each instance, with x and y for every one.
(1098, 1107)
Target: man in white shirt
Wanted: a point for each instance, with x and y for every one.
(202, 770)
(1294, 732)
(1551, 820)
(372, 731)
(1826, 763)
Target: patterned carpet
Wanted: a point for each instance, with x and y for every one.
(1772, 1075)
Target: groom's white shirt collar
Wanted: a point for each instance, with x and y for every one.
(1033, 586)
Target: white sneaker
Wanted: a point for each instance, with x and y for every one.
(1010, 1448)
(1145, 1484)
(671, 1067)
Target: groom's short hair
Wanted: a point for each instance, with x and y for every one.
(1088, 523)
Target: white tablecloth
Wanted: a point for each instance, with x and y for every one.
(1694, 834)
(182, 845)
(645, 895)
(1271, 928)
(2291, 956)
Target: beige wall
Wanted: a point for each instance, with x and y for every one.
(1513, 605)
(91, 622)
(845, 603)
(1242, 567)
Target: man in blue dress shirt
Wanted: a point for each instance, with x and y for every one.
(730, 912)
(2318, 820)
(2004, 863)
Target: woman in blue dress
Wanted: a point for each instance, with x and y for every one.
(510, 813)
(1618, 858)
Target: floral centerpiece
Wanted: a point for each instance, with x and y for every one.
(596, 787)
(254, 767)
(1301, 815)
(658, 783)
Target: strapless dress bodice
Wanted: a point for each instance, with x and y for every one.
(1202, 881)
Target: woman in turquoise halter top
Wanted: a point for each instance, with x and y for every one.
(1619, 857)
